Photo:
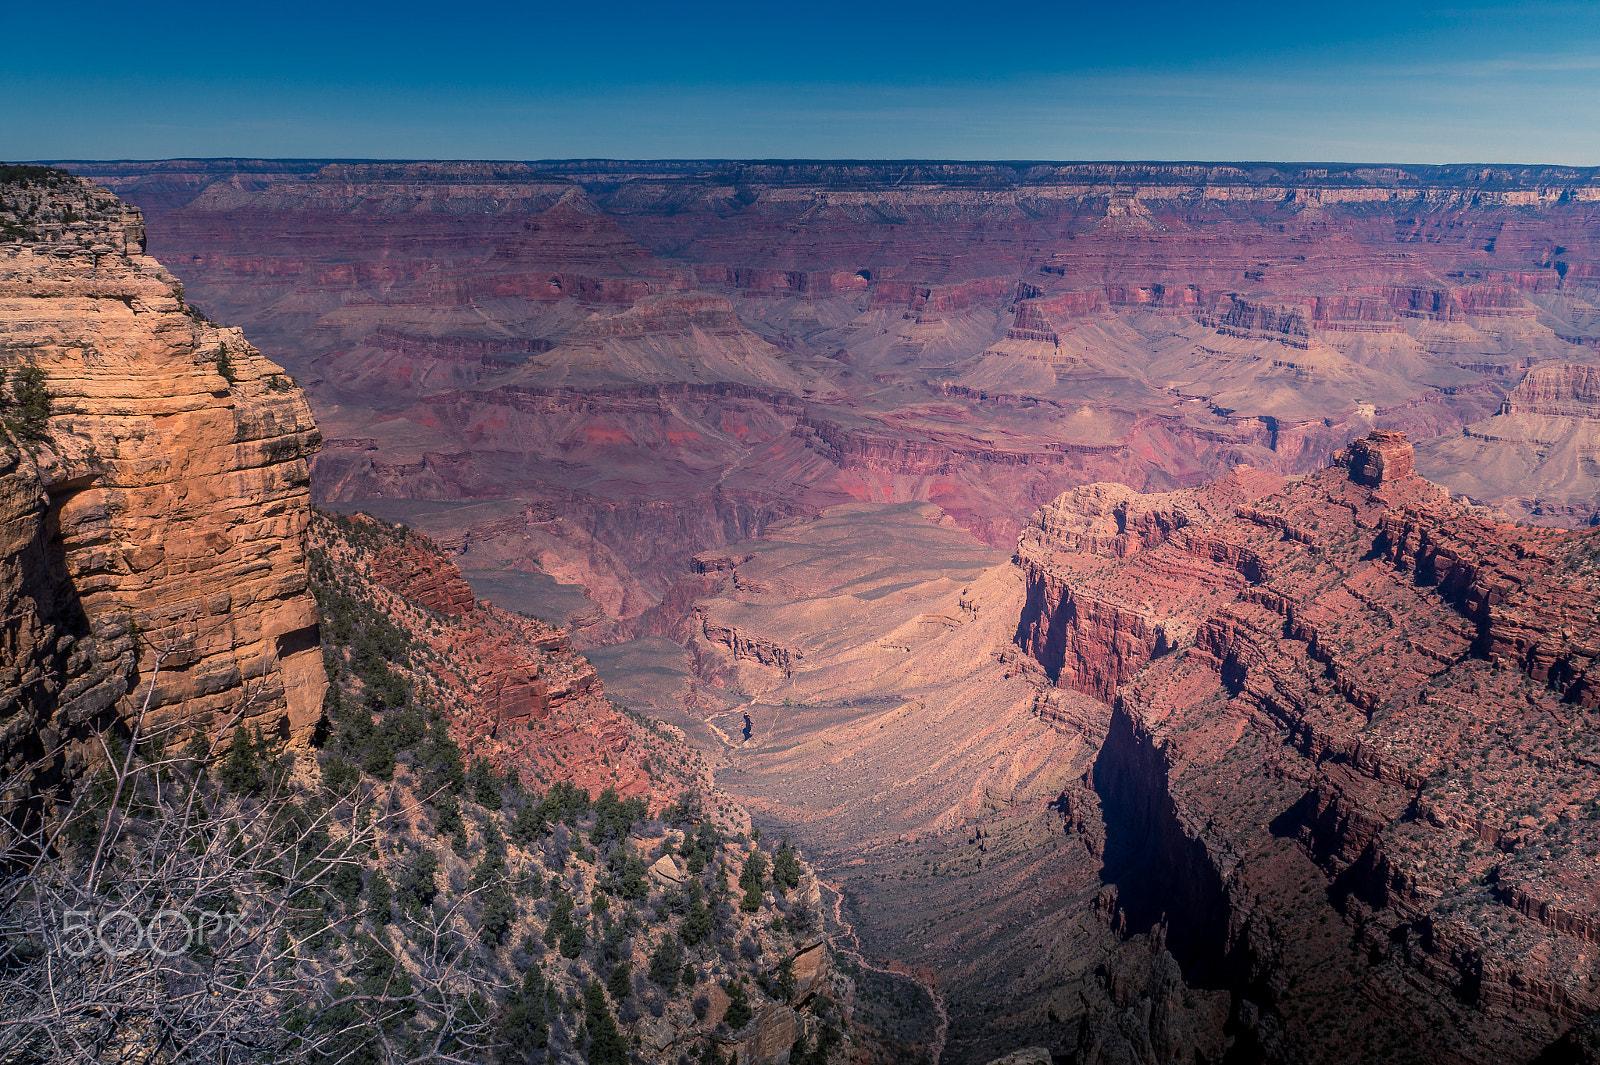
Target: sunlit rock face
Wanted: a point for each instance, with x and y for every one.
(156, 528)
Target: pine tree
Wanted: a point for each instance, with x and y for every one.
(225, 365)
(379, 893)
(241, 770)
(28, 407)
(753, 879)
(697, 922)
(619, 983)
(606, 1045)
(786, 868)
(666, 963)
(738, 1013)
(524, 1021)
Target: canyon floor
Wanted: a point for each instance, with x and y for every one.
(893, 729)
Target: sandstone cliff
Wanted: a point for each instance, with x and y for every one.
(156, 520)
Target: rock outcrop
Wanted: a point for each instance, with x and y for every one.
(1378, 459)
(1538, 456)
(1366, 774)
(418, 571)
(516, 693)
(1094, 642)
(1560, 391)
(158, 514)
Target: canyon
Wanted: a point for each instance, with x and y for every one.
(621, 364)
(1155, 597)
(216, 701)
(1269, 769)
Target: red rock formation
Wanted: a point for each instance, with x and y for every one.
(417, 570)
(513, 689)
(1378, 459)
(1388, 702)
(1562, 391)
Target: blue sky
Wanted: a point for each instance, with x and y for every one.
(1403, 82)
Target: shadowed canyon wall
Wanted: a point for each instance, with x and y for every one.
(1364, 774)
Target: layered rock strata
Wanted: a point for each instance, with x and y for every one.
(1539, 455)
(1360, 790)
(159, 513)
(665, 358)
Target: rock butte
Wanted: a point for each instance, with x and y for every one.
(1380, 712)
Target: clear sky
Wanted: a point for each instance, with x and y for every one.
(1358, 81)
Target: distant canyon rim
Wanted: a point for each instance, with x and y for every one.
(767, 436)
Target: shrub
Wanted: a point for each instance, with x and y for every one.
(697, 922)
(27, 409)
(738, 1014)
(685, 811)
(379, 894)
(615, 818)
(619, 983)
(524, 1020)
(666, 963)
(449, 822)
(339, 776)
(493, 863)
(484, 785)
(442, 756)
(529, 824)
(241, 770)
(225, 366)
(345, 883)
(417, 887)
(499, 912)
(786, 868)
(626, 875)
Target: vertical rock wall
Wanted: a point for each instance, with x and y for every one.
(153, 553)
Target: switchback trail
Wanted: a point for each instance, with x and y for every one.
(936, 1049)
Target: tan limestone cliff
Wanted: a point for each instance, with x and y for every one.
(167, 504)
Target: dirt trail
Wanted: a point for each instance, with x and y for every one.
(936, 1049)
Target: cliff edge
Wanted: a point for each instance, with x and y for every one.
(154, 492)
